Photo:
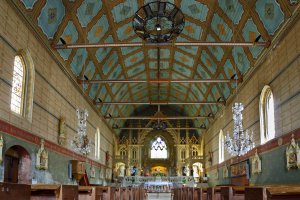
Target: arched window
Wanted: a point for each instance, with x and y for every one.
(23, 85)
(194, 152)
(183, 155)
(134, 154)
(221, 146)
(97, 144)
(266, 111)
(159, 149)
(18, 86)
(122, 152)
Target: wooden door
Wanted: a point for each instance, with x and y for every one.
(11, 168)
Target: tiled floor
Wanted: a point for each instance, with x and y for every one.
(159, 196)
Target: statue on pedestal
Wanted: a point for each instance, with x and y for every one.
(42, 157)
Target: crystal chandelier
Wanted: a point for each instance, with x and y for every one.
(241, 142)
(81, 143)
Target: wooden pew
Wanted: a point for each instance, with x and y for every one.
(199, 194)
(233, 193)
(276, 192)
(54, 191)
(214, 193)
(10, 191)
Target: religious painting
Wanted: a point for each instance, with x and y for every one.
(292, 155)
(240, 169)
(256, 164)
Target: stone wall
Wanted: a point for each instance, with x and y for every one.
(55, 95)
(281, 71)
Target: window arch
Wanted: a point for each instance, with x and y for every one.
(194, 151)
(159, 149)
(266, 112)
(97, 144)
(23, 85)
(221, 146)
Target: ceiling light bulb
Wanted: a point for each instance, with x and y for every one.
(158, 28)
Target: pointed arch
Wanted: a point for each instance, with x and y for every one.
(159, 148)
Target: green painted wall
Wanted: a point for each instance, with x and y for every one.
(274, 170)
(57, 164)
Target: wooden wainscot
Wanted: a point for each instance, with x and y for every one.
(12, 191)
(293, 155)
(54, 192)
(78, 169)
(213, 193)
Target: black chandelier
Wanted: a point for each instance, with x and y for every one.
(158, 22)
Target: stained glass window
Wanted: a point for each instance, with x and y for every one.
(159, 149)
(17, 94)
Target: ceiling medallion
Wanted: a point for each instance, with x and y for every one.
(158, 22)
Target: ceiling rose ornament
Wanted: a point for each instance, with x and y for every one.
(81, 143)
(241, 142)
(158, 22)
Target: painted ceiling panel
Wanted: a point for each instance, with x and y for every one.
(184, 59)
(220, 28)
(110, 63)
(124, 10)
(215, 50)
(194, 9)
(51, 16)
(87, 11)
(131, 60)
(70, 35)
(270, 14)
(183, 70)
(96, 21)
(241, 59)
(29, 3)
(250, 33)
(98, 30)
(78, 61)
(233, 9)
(208, 62)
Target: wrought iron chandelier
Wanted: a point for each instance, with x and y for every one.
(81, 143)
(158, 22)
(241, 142)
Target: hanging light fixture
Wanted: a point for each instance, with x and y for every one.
(241, 142)
(158, 22)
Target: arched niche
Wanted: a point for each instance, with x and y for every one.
(17, 165)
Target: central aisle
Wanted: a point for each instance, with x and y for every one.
(159, 196)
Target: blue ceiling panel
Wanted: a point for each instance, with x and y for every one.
(88, 10)
(233, 9)
(270, 13)
(241, 59)
(194, 9)
(98, 30)
(124, 10)
(70, 35)
(51, 16)
(78, 61)
(220, 27)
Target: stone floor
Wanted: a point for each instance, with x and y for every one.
(159, 196)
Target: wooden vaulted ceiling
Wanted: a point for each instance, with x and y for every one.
(103, 21)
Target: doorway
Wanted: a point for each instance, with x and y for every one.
(17, 165)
